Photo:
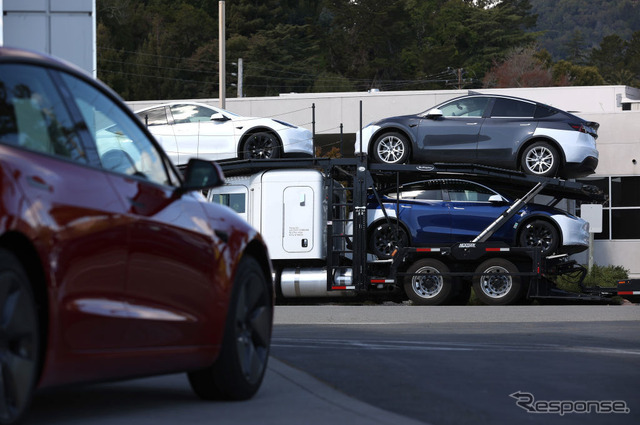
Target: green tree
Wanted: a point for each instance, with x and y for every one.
(247, 17)
(282, 60)
(364, 40)
(566, 73)
(575, 48)
(617, 60)
(609, 56)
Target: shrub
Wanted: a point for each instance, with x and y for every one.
(604, 276)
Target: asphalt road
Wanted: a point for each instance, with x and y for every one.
(473, 365)
(402, 365)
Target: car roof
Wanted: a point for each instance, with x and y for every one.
(502, 96)
(496, 96)
(26, 56)
(19, 55)
(177, 102)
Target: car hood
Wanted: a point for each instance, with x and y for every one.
(403, 119)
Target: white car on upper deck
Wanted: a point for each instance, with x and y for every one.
(196, 130)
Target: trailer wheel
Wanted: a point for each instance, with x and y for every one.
(432, 288)
(495, 282)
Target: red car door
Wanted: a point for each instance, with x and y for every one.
(172, 255)
(172, 261)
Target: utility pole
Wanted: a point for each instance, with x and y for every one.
(222, 80)
(240, 72)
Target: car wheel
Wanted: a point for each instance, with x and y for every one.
(433, 287)
(541, 159)
(19, 339)
(495, 282)
(384, 240)
(391, 148)
(240, 367)
(540, 233)
(261, 145)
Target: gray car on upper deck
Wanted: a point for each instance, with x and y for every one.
(495, 130)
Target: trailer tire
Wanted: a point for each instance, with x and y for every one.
(495, 282)
(435, 288)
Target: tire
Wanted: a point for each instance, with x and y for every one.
(494, 288)
(383, 242)
(542, 234)
(391, 148)
(541, 159)
(20, 339)
(261, 145)
(435, 288)
(238, 372)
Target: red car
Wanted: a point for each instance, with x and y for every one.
(112, 265)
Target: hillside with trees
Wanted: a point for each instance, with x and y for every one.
(571, 28)
(161, 49)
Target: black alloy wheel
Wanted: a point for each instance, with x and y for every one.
(240, 368)
(540, 233)
(19, 340)
(262, 145)
(386, 238)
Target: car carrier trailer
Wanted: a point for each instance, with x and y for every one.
(286, 208)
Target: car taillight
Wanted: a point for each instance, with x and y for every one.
(578, 127)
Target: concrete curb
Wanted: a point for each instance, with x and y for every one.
(324, 404)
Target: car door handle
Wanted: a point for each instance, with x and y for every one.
(458, 208)
(472, 123)
(525, 124)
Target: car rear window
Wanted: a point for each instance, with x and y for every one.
(543, 111)
(511, 108)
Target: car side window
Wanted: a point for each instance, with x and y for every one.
(510, 108)
(122, 146)
(471, 107)
(33, 114)
(190, 113)
(155, 116)
(422, 194)
(543, 111)
(468, 192)
(426, 191)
